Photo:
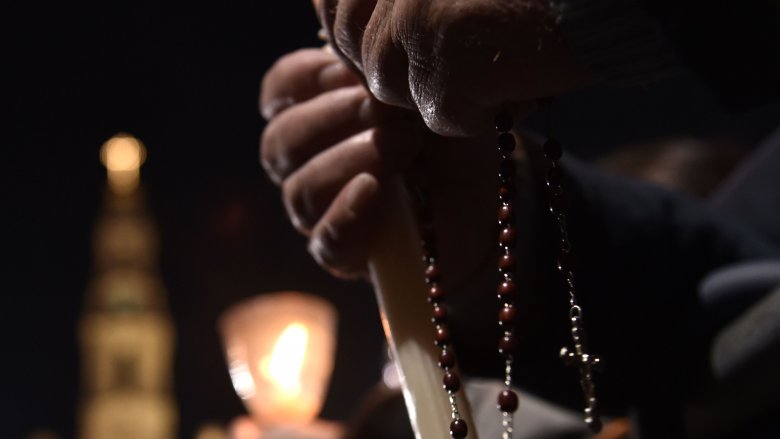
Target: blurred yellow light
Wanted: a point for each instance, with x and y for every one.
(211, 431)
(284, 365)
(279, 348)
(123, 153)
(123, 156)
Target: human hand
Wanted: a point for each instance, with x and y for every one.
(331, 146)
(455, 63)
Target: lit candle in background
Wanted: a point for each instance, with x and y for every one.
(280, 350)
(123, 156)
(283, 367)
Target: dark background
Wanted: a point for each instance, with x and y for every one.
(184, 79)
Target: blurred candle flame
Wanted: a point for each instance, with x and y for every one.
(283, 367)
(123, 156)
(280, 349)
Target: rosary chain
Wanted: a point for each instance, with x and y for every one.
(451, 380)
(579, 355)
(507, 399)
(507, 288)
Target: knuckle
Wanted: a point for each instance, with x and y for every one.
(351, 28)
(445, 114)
(348, 43)
(387, 79)
(384, 85)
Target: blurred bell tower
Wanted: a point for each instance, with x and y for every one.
(126, 333)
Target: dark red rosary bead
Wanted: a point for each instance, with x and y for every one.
(507, 236)
(505, 214)
(459, 429)
(435, 294)
(507, 290)
(442, 336)
(506, 262)
(451, 382)
(507, 401)
(432, 273)
(507, 315)
(506, 192)
(446, 359)
(439, 314)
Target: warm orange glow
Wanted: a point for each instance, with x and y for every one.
(123, 156)
(280, 349)
(283, 366)
(211, 431)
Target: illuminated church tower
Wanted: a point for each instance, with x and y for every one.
(126, 334)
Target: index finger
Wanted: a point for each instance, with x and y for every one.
(299, 76)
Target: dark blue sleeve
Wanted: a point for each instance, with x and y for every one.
(641, 253)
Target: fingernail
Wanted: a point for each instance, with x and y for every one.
(269, 171)
(278, 168)
(319, 251)
(276, 106)
(295, 220)
(300, 211)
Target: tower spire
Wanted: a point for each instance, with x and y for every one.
(126, 331)
(123, 155)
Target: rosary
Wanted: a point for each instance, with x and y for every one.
(577, 355)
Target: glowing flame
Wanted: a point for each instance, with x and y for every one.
(283, 367)
(123, 156)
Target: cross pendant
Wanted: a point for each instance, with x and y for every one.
(586, 363)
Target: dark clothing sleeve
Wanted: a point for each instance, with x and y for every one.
(641, 253)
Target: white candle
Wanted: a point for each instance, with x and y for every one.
(397, 275)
